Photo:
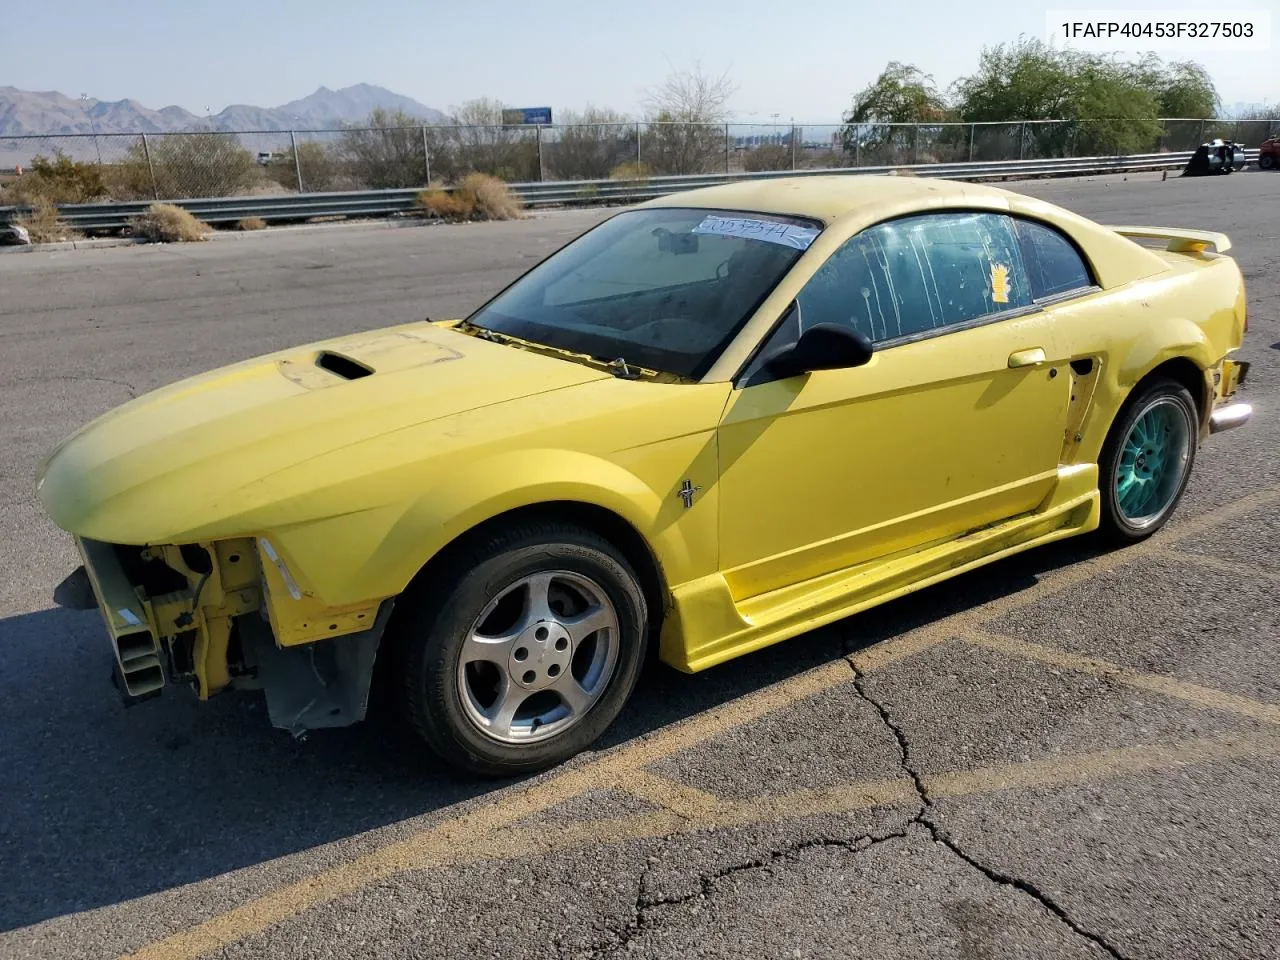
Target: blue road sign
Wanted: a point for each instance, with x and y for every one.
(527, 115)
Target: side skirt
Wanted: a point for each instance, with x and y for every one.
(705, 627)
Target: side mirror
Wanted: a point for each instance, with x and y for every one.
(824, 346)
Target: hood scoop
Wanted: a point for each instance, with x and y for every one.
(323, 370)
(342, 366)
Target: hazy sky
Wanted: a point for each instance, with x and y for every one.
(797, 58)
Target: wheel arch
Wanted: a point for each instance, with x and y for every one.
(607, 523)
(1183, 370)
(600, 520)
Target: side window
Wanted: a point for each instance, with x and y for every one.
(916, 274)
(1053, 264)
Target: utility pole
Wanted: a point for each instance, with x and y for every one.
(84, 101)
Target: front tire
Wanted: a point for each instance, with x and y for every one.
(1147, 461)
(526, 654)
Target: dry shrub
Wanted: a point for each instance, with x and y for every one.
(447, 205)
(252, 223)
(477, 196)
(43, 223)
(166, 223)
(489, 197)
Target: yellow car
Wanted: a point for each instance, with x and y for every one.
(712, 422)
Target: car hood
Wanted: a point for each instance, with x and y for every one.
(191, 446)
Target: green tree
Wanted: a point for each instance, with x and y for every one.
(1111, 106)
(902, 94)
(1022, 81)
(1185, 89)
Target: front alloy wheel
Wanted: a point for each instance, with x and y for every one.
(539, 657)
(525, 651)
(1147, 461)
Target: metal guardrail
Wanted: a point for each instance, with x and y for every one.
(377, 203)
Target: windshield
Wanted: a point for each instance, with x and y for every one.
(662, 288)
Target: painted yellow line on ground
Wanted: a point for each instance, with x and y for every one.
(810, 801)
(1064, 579)
(1209, 697)
(467, 830)
(721, 719)
(435, 845)
(1082, 768)
(671, 795)
(515, 842)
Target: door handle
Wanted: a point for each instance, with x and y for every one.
(1027, 358)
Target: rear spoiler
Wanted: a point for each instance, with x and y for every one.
(1179, 240)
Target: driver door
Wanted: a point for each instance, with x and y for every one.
(956, 422)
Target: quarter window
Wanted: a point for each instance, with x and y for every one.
(1054, 267)
(910, 276)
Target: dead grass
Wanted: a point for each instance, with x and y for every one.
(252, 223)
(492, 199)
(166, 223)
(43, 223)
(477, 196)
(444, 204)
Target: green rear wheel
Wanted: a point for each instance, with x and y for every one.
(1147, 461)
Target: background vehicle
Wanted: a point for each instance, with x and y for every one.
(709, 424)
(1217, 156)
(1269, 153)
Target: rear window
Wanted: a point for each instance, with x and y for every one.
(1053, 264)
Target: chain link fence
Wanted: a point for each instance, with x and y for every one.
(80, 168)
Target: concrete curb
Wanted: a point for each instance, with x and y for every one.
(72, 245)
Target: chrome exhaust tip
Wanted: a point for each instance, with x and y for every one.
(1229, 417)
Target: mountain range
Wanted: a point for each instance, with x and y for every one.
(25, 112)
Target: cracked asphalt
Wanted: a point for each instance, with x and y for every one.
(1074, 753)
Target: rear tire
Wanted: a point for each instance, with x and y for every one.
(525, 651)
(1146, 461)
(1266, 162)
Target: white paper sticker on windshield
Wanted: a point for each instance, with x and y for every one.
(770, 231)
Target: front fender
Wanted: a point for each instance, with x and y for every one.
(484, 490)
(370, 555)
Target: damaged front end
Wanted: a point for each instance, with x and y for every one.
(229, 615)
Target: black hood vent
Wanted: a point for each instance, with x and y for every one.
(344, 367)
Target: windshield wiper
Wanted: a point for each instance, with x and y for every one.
(618, 367)
(621, 370)
(484, 333)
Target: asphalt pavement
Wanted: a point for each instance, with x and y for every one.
(1075, 753)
